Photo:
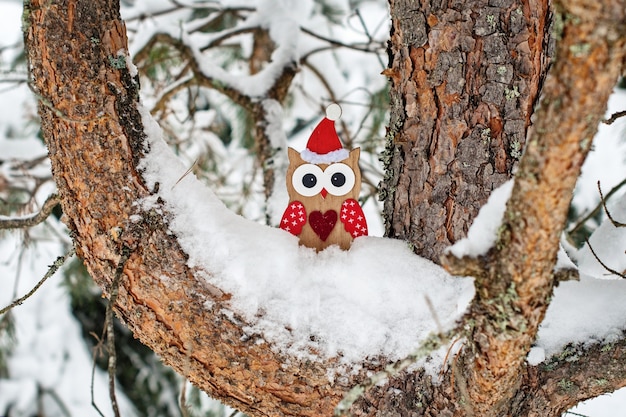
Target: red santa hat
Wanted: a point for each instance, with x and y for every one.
(324, 146)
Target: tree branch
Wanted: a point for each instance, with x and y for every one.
(606, 210)
(598, 207)
(578, 373)
(51, 271)
(7, 222)
(169, 306)
(199, 76)
(615, 116)
(605, 266)
(512, 297)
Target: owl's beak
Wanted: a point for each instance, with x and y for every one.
(324, 192)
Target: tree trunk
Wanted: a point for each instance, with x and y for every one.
(465, 81)
(465, 78)
(95, 136)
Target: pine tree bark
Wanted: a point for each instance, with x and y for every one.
(88, 103)
(465, 77)
(438, 153)
(465, 80)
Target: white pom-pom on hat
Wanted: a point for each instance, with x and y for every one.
(333, 111)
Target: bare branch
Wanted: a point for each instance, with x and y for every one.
(606, 210)
(336, 43)
(611, 270)
(56, 398)
(594, 212)
(566, 274)
(51, 271)
(110, 330)
(466, 266)
(97, 350)
(31, 220)
(577, 373)
(614, 117)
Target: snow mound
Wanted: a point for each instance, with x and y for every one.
(369, 301)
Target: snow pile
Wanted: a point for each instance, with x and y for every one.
(365, 302)
(483, 233)
(368, 301)
(586, 311)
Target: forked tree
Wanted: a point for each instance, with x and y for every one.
(481, 91)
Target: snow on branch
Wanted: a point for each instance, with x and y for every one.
(350, 305)
(589, 310)
(240, 87)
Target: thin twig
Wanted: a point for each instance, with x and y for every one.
(96, 350)
(114, 290)
(336, 43)
(370, 38)
(606, 210)
(614, 117)
(612, 271)
(31, 220)
(594, 212)
(51, 271)
(57, 399)
(445, 359)
(433, 313)
(183, 400)
(576, 414)
(186, 173)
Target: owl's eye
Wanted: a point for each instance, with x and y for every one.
(307, 180)
(339, 179)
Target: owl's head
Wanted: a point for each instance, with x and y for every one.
(306, 180)
(325, 169)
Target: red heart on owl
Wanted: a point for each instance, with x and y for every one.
(322, 224)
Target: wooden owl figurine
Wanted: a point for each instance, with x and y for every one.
(323, 183)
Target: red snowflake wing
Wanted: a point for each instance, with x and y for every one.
(294, 218)
(353, 218)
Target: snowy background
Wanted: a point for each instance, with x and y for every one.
(350, 311)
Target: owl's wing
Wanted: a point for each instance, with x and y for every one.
(353, 218)
(294, 218)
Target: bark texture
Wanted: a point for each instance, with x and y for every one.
(514, 281)
(465, 77)
(94, 133)
(439, 161)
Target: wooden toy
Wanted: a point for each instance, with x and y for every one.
(323, 183)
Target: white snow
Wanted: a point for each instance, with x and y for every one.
(606, 160)
(368, 301)
(609, 243)
(585, 311)
(483, 233)
(536, 356)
